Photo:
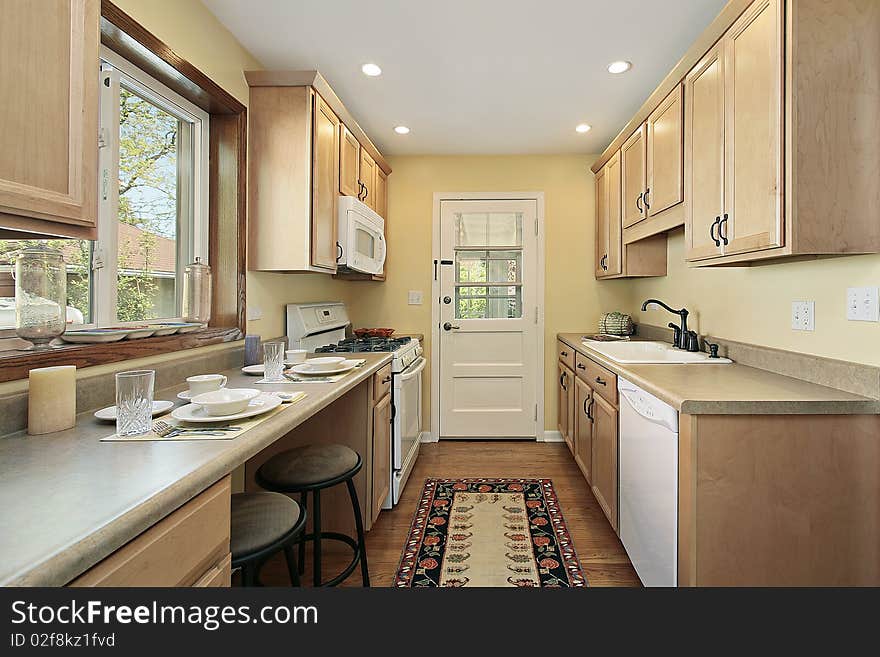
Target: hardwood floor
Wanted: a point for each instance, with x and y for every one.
(601, 554)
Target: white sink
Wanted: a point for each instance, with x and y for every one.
(649, 352)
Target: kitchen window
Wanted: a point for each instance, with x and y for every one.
(153, 206)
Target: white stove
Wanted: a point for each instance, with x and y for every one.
(321, 327)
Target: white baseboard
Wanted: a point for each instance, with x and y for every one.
(552, 437)
(427, 437)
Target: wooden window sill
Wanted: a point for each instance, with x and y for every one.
(15, 364)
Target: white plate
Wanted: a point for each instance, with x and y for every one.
(258, 406)
(344, 366)
(259, 369)
(109, 413)
(94, 336)
(186, 395)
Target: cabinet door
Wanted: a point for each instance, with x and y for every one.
(325, 176)
(564, 408)
(601, 221)
(665, 164)
(381, 193)
(583, 428)
(49, 129)
(753, 130)
(349, 163)
(604, 461)
(609, 245)
(368, 179)
(381, 454)
(632, 158)
(704, 155)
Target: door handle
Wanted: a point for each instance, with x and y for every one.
(645, 199)
(588, 408)
(712, 231)
(449, 326)
(723, 233)
(447, 300)
(639, 202)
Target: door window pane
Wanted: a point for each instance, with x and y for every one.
(151, 142)
(77, 258)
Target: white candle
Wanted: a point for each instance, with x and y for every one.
(51, 399)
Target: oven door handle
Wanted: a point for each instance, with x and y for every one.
(412, 372)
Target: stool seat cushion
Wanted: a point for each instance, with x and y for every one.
(307, 465)
(260, 519)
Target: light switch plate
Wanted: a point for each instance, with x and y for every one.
(803, 316)
(863, 304)
(254, 313)
(415, 298)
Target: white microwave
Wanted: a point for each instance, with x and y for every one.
(361, 245)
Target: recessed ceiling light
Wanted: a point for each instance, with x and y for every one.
(401, 130)
(582, 127)
(371, 69)
(619, 67)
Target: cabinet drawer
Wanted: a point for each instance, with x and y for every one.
(382, 383)
(179, 550)
(603, 381)
(218, 576)
(565, 354)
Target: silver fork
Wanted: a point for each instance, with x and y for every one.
(169, 431)
(161, 425)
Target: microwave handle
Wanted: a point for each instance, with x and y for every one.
(383, 252)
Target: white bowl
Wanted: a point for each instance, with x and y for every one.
(226, 401)
(295, 356)
(324, 363)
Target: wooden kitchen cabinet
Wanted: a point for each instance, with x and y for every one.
(49, 131)
(381, 194)
(325, 172)
(368, 180)
(381, 454)
(604, 457)
(633, 172)
(583, 428)
(664, 169)
(565, 408)
(349, 163)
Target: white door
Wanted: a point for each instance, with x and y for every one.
(488, 319)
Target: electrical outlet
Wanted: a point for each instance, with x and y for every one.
(863, 304)
(803, 316)
(415, 298)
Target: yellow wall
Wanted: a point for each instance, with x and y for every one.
(573, 299)
(196, 35)
(753, 304)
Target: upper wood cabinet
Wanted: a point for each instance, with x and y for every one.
(49, 126)
(665, 155)
(304, 150)
(734, 139)
(632, 157)
(349, 163)
(380, 196)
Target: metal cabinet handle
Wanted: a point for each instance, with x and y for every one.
(600, 382)
(563, 353)
(639, 202)
(387, 379)
(562, 381)
(588, 408)
(645, 199)
(581, 366)
(712, 231)
(723, 233)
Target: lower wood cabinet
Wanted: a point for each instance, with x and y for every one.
(604, 457)
(381, 455)
(189, 547)
(583, 428)
(565, 409)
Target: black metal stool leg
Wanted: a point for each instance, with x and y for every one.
(303, 501)
(316, 524)
(292, 567)
(248, 575)
(359, 523)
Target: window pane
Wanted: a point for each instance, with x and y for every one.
(77, 258)
(488, 229)
(149, 148)
(470, 266)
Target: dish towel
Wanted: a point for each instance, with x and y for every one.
(616, 324)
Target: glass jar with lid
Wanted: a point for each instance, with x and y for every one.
(197, 292)
(40, 295)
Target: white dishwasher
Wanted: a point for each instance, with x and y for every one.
(648, 457)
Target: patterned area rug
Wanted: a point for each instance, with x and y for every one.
(489, 532)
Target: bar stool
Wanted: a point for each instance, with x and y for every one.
(263, 524)
(310, 469)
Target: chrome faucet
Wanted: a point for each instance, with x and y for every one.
(681, 336)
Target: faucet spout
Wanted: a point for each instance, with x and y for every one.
(683, 313)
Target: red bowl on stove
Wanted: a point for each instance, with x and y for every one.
(374, 332)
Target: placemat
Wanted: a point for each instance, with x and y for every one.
(292, 377)
(245, 424)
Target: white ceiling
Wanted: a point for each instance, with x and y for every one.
(477, 76)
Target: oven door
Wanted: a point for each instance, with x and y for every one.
(363, 249)
(407, 414)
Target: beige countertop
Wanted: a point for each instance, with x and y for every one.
(731, 389)
(69, 500)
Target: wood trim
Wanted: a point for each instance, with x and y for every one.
(687, 500)
(129, 39)
(656, 224)
(728, 15)
(315, 80)
(15, 364)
